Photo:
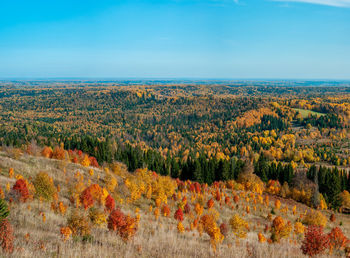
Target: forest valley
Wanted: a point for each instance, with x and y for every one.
(247, 170)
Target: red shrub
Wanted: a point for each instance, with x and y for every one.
(224, 229)
(180, 185)
(179, 215)
(195, 187)
(315, 242)
(332, 218)
(217, 196)
(337, 240)
(86, 199)
(21, 189)
(6, 236)
(165, 210)
(187, 208)
(93, 162)
(110, 203)
(124, 225)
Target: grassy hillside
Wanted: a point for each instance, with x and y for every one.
(156, 236)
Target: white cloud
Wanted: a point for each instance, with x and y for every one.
(337, 3)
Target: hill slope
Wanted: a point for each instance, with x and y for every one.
(37, 226)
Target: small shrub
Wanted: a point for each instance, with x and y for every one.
(165, 210)
(97, 217)
(110, 203)
(6, 236)
(337, 240)
(20, 188)
(44, 186)
(125, 226)
(187, 208)
(224, 229)
(180, 227)
(261, 238)
(208, 224)
(332, 217)
(315, 218)
(179, 215)
(210, 203)
(239, 226)
(47, 152)
(315, 242)
(280, 229)
(79, 224)
(86, 198)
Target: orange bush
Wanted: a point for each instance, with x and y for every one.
(210, 203)
(165, 210)
(6, 236)
(261, 238)
(337, 240)
(65, 232)
(86, 199)
(208, 224)
(125, 226)
(47, 152)
(110, 203)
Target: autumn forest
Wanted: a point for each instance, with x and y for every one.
(144, 168)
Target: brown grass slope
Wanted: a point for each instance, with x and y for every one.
(154, 238)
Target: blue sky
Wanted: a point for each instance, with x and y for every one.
(175, 38)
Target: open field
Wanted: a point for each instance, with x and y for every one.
(305, 113)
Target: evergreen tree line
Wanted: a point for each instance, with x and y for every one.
(326, 121)
(200, 169)
(272, 171)
(331, 182)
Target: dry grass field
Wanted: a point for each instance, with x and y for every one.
(155, 237)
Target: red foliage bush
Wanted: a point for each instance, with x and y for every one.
(179, 215)
(86, 199)
(125, 226)
(93, 162)
(224, 229)
(21, 189)
(110, 203)
(165, 210)
(6, 236)
(187, 208)
(337, 240)
(217, 196)
(315, 241)
(195, 187)
(180, 185)
(332, 217)
(210, 203)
